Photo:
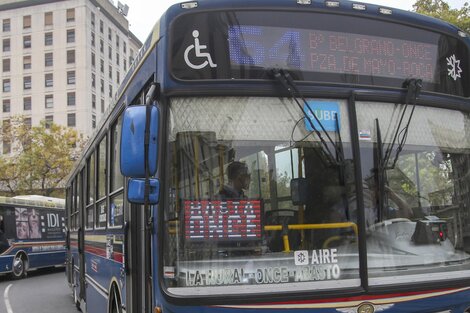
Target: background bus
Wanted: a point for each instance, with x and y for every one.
(310, 156)
(32, 234)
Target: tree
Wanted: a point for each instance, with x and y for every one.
(9, 174)
(441, 9)
(42, 156)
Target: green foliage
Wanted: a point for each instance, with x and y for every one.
(435, 183)
(441, 9)
(43, 156)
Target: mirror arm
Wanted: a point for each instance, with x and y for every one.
(149, 97)
(152, 94)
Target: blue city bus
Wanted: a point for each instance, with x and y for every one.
(280, 156)
(32, 234)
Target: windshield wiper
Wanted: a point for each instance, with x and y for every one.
(381, 178)
(413, 90)
(288, 83)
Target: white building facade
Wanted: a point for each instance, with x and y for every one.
(62, 60)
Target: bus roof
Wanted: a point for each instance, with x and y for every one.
(34, 201)
(332, 6)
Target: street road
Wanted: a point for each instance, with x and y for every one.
(44, 291)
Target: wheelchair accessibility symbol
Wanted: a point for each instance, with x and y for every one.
(204, 57)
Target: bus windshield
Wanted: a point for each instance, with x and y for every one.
(260, 197)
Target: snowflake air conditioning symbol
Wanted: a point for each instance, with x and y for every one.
(454, 67)
(301, 257)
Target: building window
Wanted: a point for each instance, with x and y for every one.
(27, 122)
(49, 80)
(71, 119)
(27, 62)
(70, 98)
(117, 59)
(110, 53)
(26, 21)
(102, 66)
(93, 121)
(124, 47)
(93, 59)
(92, 39)
(71, 78)
(93, 101)
(102, 86)
(27, 42)
(27, 103)
(125, 64)
(49, 120)
(48, 39)
(27, 83)
(101, 26)
(6, 25)
(93, 80)
(6, 65)
(6, 106)
(6, 45)
(70, 35)
(118, 78)
(6, 147)
(101, 46)
(70, 15)
(110, 70)
(6, 85)
(110, 91)
(48, 59)
(70, 56)
(92, 19)
(49, 101)
(110, 35)
(102, 105)
(48, 21)
(117, 41)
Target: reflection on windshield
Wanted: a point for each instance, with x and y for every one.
(256, 200)
(425, 199)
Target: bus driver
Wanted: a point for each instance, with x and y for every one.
(238, 181)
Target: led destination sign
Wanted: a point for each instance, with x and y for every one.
(332, 52)
(228, 220)
(317, 48)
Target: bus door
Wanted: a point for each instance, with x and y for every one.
(68, 222)
(137, 260)
(81, 234)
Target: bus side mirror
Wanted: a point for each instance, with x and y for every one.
(299, 191)
(136, 191)
(133, 141)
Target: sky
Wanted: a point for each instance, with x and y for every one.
(144, 13)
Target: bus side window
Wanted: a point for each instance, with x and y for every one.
(8, 223)
(3, 238)
(2, 224)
